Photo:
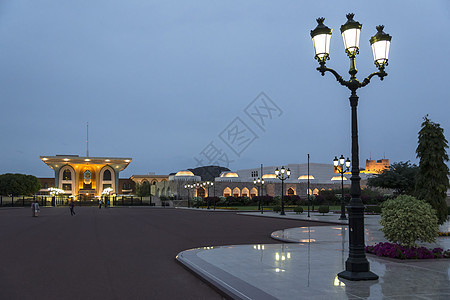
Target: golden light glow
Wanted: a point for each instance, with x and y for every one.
(337, 282)
(305, 177)
(107, 160)
(269, 176)
(229, 174)
(127, 160)
(307, 241)
(87, 159)
(338, 178)
(184, 173)
(66, 159)
(45, 158)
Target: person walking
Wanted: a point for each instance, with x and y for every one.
(32, 209)
(71, 206)
(100, 204)
(36, 208)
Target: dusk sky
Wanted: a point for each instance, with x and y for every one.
(166, 82)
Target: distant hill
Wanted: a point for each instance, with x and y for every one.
(209, 172)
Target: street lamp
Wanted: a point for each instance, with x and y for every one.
(259, 183)
(357, 266)
(339, 165)
(208, 184)
(189, 187)
(282, 174)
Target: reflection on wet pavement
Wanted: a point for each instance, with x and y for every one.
(308, 268)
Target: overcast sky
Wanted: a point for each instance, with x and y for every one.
(173, 84)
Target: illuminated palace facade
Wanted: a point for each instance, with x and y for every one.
(240, 183)
(86, 177)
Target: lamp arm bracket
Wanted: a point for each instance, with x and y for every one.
(380, 74)
(322, 69)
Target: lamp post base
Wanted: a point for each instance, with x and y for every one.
(343, 218)
(358, 276)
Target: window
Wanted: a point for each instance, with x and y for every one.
(291, 192)
(107, 175)
(105, 186)
(46, 185)
(67, 175)
(67, 186)
(124, 187)
(254, 174)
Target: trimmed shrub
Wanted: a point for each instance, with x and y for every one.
(298, 209)
(324, 209)
(406, 220)
(277, 208)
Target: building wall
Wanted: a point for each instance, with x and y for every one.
(376, 167)
(176, 188)
(126, 186)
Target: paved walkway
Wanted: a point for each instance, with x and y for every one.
(307, 269)
(116, 253)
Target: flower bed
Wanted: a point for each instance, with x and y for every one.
(398, 251)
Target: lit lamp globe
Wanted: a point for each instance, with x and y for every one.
(347, 163)
(277, 171)
(342, 160)
(321, 36)
(380, 43)
(335, 161)
(351, 31)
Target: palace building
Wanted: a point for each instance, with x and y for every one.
(86, 177)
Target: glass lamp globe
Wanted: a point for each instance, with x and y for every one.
(335, 161)
(380, 43)
(347, 163)
(351, 31)
(321, 36)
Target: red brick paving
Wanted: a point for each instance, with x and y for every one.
(116, 253)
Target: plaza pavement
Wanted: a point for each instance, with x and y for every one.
(307, 266)
(117, 253)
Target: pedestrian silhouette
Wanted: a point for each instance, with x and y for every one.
(71, 206)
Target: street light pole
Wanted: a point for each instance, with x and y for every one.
(357, 266)
(307, 189)
(339, 167)
(188, 187)
(259, 182)
(282, 174)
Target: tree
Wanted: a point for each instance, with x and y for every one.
(401, 177)
(432, 180)
(18, 185)
(143, 188)
(406, 220)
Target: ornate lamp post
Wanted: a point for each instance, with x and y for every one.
(356, 266)
(208, 184)
(282, 174)
(189, 187)
(259, 182)
(339, 167)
